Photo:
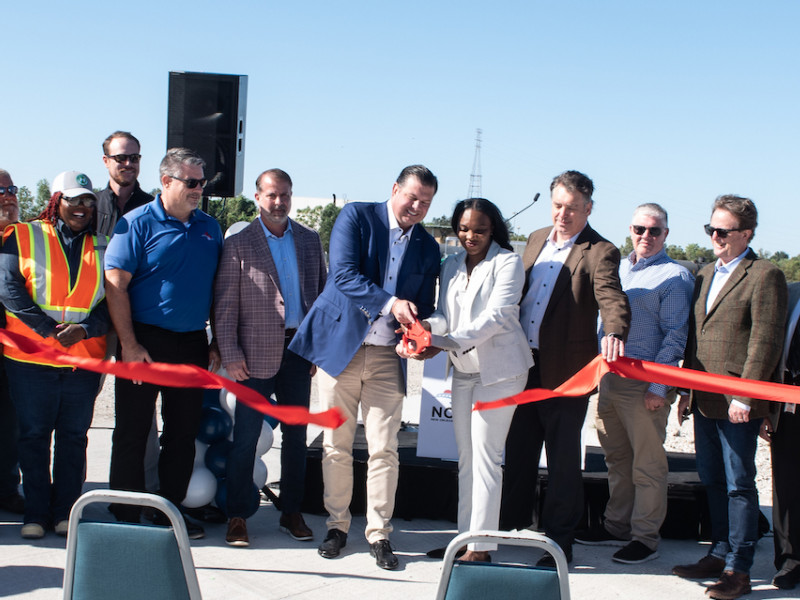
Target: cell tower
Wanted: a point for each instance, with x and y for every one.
(475, 176)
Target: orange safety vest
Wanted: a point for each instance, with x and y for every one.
(44, 266)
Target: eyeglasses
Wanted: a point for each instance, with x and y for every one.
(11, 190)
(123, 158)
(640, 229)
(721, 233)
(191, 183)
(87, 201)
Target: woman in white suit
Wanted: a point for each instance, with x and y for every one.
(478, 309)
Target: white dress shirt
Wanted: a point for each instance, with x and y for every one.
(541, 280)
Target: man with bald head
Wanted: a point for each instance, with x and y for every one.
(10, 498)
(632, 415)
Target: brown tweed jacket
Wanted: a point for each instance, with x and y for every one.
(742, 334)
(248, 305)
(588, 283)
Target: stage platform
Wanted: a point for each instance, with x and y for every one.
(428, 487)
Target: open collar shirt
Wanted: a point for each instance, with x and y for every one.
(381, 333)
(660, 294)
(541, 280)
(285, 259)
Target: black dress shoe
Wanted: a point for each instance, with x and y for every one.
(384, 557)
(787, 578)
(438, 553)
(333, 543)
(549, 562)
(206, 514)
(194, 531)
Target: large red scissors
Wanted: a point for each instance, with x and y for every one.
(416, 338)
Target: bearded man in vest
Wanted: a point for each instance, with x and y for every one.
(53, 293)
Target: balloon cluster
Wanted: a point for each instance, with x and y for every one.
(214, 441)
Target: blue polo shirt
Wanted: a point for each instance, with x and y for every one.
(173, 265)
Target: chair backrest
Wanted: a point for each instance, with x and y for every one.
(128, 561)
(481, 581)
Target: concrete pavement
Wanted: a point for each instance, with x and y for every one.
(276, 566)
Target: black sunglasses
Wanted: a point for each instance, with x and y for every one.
(123, 158)
(11, 190)
(640, 229)
(191, 183)
(87, 201)
(721, 233)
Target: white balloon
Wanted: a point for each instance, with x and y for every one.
(235, 228)
(259, 473)
(265, 439)
(202, 488)
(200, 453)
(227, 400)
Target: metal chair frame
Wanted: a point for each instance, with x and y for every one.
(137, 499)
(511, 538)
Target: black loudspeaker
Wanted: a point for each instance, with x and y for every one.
(206, 114)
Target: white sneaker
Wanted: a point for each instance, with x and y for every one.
(32, 531)
(62, 527)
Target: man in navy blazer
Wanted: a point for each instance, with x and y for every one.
(383, 268)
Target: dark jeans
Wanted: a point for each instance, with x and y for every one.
(52, 399)
(557, 424)
(9, 434)
(292, 387)
(181, 411)
(726, 465)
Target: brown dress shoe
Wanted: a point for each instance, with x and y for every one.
(237, 533)
(296, 527)
(731, 585)
(708, 567)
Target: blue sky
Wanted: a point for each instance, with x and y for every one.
(673, 102)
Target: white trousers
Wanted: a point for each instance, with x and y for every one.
(481, 441)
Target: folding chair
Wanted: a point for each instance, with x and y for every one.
(484, 581)
(128, 561)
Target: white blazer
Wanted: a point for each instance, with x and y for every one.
(492, 302)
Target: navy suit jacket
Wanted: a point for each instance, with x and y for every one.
(340, 318)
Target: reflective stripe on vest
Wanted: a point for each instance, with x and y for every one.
(44, 266)
(41, 255)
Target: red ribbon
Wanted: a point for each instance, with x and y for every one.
(176, 375)
(588, 378)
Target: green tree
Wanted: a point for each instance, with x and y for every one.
(228, 211)
(779, 256)
(29, 206)
(42, 193)
(696, 253)
(627, 247)
(320, 218)
(443, 221)
(676, 252)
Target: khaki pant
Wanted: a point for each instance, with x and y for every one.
(374, 380)
(632, 438)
